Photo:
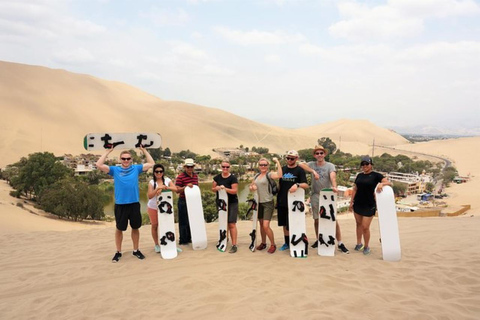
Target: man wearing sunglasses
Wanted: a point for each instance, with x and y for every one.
(325, 177)
(127, 198)
(293, 177)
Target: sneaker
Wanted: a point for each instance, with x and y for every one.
(233, 249)
(179, 250)
(272, 249)
(261, 246)
(342, 248)
(285, 247)
(315, 244)
(366, 251)
(116, 257)
(157, 248)
(359, 247)
(138, 254)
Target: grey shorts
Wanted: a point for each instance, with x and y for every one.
(314, 202)
(265, 210)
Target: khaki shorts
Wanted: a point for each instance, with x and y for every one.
(265, 210)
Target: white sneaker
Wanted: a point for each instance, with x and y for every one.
(157, 248)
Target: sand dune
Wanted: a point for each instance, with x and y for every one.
(51, 110)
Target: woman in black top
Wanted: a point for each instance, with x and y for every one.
(363, 201)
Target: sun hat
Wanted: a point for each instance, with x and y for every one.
(189, 162)
(320, 148)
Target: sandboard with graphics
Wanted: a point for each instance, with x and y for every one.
(327, 223)
(130, 140)
(166, 225)
(253, 208)
(296, 220)
(222, 209)
(388, 223)
(195, 217)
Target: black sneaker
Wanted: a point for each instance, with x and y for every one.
(138, 254)
(315, 244)
(116, 257)
(342, 248)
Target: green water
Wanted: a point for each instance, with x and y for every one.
(204, 187)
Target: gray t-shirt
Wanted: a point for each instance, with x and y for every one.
(262, 188)
(324, 172)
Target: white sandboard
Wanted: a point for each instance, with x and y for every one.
(222, 209)
(296, 220)
(388, 223)
(166, 225)
(327, 238)
(196, 218)
(253, 207)
(130, 140)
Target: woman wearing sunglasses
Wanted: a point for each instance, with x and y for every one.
(227, 181)
(363, 203)
(261, 184)
(155, 187)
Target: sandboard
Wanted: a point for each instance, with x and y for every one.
(253, 208)
(196, 218)
(130, 140)
(327, 239)
(222, 209)
(388, 223)
(296, 220)
(166, 225)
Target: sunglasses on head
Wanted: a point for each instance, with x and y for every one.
(290, 159)
(158, 171)
(126, 159)
(225, 167)
(319, 153)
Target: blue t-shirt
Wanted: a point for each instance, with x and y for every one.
(125, 182)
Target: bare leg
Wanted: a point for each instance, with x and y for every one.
(135, 238)
(268, 231)
(359, 228)
(366, 229)
(262, 230)
(233, 232)
(315, 224)
(155, 233)
(118, 239)
(339, 233)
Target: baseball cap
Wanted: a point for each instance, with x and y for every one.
(366, 159)
(189, 163)
(292, 153)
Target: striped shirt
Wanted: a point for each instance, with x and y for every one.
(183, 179)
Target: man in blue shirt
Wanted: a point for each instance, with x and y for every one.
(127, 199)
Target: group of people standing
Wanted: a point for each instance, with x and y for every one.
(291, 177)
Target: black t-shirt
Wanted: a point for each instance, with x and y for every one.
(227, 182)
(289, 178)
(366, 184)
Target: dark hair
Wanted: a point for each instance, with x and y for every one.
(158, 165)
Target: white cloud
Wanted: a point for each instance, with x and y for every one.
(396, 18)
(273, 59)
(161, 16)
(256, 37)
(75, 56)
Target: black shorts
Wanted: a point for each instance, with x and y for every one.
(282, 216)
(125, 212)
(366, 211)
(232, 212)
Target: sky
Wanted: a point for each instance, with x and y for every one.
(288, 63)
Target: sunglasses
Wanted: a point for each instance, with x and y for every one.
(319, 153)
(225, 167)
(263, 165)
(158, 171)
(364, 164)
(126, 159)
(291, 159)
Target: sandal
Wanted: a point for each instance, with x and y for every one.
(272, 249)
(262, 246)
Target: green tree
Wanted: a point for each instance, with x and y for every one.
(399, 188)
(39, 171)
(429, 187)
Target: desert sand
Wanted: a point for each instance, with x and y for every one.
(62, 270)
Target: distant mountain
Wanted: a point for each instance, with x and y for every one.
(51, 110)
(437, 131)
